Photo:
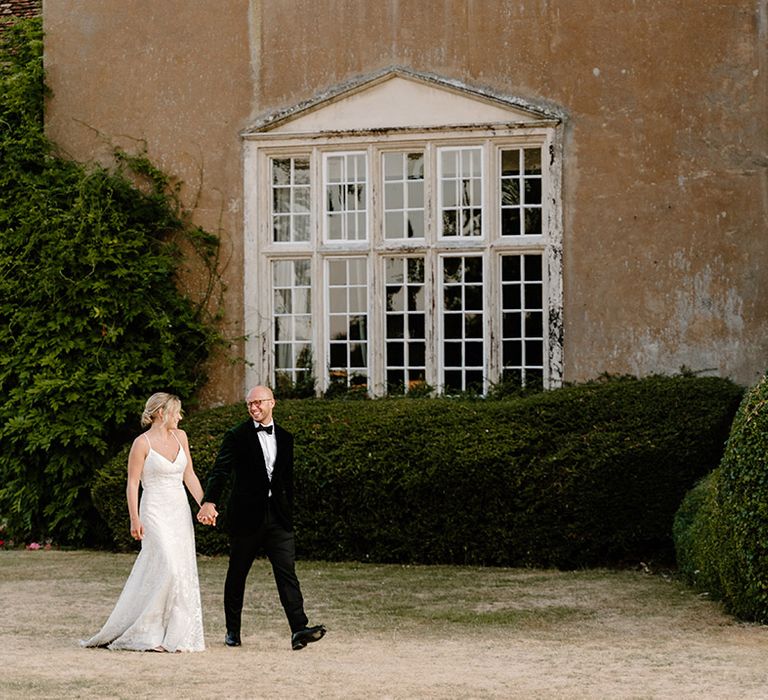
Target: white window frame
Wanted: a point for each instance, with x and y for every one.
(260, 249)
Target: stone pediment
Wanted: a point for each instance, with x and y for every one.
(399, 99)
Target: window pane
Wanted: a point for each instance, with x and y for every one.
(416, 297)
(462, 327)
(416, 355)
(334, 227)
(534, 326)
(395, 299)
(510, 296)
(510, 326)
(395, 326)
(521, 192)
(452, 326)
(415, 166)
(415, 270)
(335, 168)
(510, 268)
(510, 192)
(404, 318)
(473, 326)
(300, 227)
(461, 190)
(453, 356)
(533, 296)
(346, 197)
(533, 269)
(281, 199)
(523, 320)
(357, 355)
(283, 356)
(283, 300)
(393, 196)
(393, 166)
(416, 325)
(450, 194)
(415, 224)
(532, 191)
(510, 162)
(348, 320)
(533, 161)
(302, 327)
(292, 320)
(338, 327)
(290, 199)
(338, 355)
(393, 224)
(415, 194)
(403, 195)
(473, 270)
(449, 223)
(532, 222)
(395, 354)
(281, 228)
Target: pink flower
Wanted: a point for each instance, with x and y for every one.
(47, 545)
(33, 545)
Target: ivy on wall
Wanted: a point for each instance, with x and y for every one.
(91, 317)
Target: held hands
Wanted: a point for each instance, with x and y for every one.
(137, 530)
(207, 514)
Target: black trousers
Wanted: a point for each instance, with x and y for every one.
(278, 544)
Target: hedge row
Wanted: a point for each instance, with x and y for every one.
(579, 476)
(721, 529)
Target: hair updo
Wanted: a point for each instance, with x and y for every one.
(167, 403)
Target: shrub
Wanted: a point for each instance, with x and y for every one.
(578, 476)
(694, 538)
(727, 538)
(91, 320)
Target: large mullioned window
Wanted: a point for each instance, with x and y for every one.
(395, 264)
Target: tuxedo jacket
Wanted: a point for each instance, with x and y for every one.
(240, 464)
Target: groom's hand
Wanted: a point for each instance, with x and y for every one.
(207, 514)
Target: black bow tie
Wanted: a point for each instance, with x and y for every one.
(265, 428)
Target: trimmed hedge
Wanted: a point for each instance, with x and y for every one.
(578, 476)
(721, 529)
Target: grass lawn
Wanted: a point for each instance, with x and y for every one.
(393, 632)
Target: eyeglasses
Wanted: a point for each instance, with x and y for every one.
(257, 402)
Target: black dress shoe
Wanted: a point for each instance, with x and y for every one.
(301, 638)
(231, 639)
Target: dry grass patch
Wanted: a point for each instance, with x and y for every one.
(394, 632)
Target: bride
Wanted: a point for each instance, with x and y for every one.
(159, 608)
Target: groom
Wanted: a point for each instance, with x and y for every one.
(257, 457)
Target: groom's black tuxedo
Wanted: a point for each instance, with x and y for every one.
(257, 521)
(241, 460)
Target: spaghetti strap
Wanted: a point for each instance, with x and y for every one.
(173, 432)
(147, 439)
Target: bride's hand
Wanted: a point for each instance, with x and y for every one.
(137, 530)
(207, 514)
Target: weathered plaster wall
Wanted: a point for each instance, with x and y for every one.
(665, 248)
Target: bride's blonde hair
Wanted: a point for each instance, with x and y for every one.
(167, 403)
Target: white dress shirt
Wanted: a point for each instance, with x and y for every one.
(269, 448)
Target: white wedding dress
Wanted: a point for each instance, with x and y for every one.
(159, 608)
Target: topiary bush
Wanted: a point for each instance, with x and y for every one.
(696, 546)
(578, 476)
(91, 319)
(722, 539)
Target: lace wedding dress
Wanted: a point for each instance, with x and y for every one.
(159, 608)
